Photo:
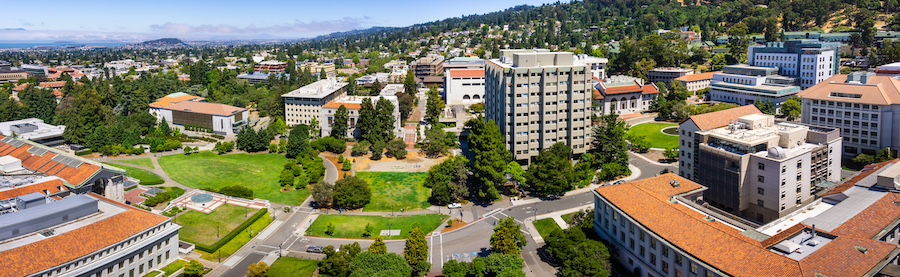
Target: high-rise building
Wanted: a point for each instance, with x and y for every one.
(754, 167)
(304, 104)
(539, 98)
(810, 61)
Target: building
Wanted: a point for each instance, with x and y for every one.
(56, 73)
(539, 98)
(754, 167)
(888, 69)
(353, 105)
(623, 95)
(463, 63)
(659, 227)
(696, 82)
(810, 61)
(304, 104)
(667, 74)
(596, 65)
(187, 110)
(270, 67)
(864, 106)
(9, 75)
(464, 87)
(35, 130)
(430, 65)
(41, 72)
(317, 68)
(744, 85)
(254, 78)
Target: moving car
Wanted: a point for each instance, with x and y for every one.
(454, 206)
(314, 249)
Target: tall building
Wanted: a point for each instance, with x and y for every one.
(667, 74)
(430, 65)
(660, 227)
(744, 85)
(539, 98)
(864, 106)
(810, 61)
(353, 104)
(754, 167)
(304, 104)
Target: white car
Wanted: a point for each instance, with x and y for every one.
(454, 206)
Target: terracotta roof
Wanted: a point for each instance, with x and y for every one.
(840, 257)
(336, 105)
(66, 247)
(466, 73)
(880, 90)
(709, 121)
(204, 108)
(51, 186)
(696, 77)
(57, 84)
(45, 164)
(597, 95)
(166, 101)
(21, 87)
(649, 89)
(635, 88)
(433, 79)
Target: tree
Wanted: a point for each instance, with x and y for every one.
(237, 191)
(434, 106)
(378, 246)
(39, 103)
(765, 106)
(551, 173)
(286, 178)
(491, 157)
(790, 109)
(367, 124)
(259, 269)
(416, 250)
(298, 142)
(884, 155)
(193, 269)
(323, 194)
(507, 239)
(385, 120)
(454, 268)
(609, 144)
(738, 41)
(369, 264)
(447, 181)
(436, 142)
(336, 263)
(643, 67)
(352, 193)
(367, 232)
(578, 255)
(515, 172)
(341, 123)
(671, 154)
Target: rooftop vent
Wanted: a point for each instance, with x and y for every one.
(709, 219)
(674, 183)
(862, 249)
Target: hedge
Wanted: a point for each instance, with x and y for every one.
(212, 249)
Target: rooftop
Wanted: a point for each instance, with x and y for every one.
(876, 90)
(174, 98)
(355, 102)
(35, 131)
(204, 108)
(465, 73)
(697, 77)
(709, 121)
(48, 161)
(672, 69)
(319, 89)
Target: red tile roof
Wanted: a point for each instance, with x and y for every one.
(466, 73)
(709, 121)
(44, 164)
(52, 187)
(696, 77)
(635, 88)
(337, 105)
(869, 223)
(867, 170)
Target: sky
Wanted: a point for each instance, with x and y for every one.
(87, 21)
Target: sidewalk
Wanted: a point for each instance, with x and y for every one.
(556, 216)
(651, 161)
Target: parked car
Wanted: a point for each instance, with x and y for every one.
(314, 249)
(454, 206)
(619, 182)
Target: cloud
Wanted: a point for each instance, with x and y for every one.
(296, 29)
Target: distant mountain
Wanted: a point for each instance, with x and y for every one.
(372, 30)
(163, 42)
(13, 29)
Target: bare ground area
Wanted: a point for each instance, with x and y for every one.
(655, 155)
(414, 162)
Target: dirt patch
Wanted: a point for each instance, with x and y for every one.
(333, 159)
(454, 224)
(414, 162)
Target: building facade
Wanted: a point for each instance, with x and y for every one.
(304, 104)
(9, 75)
(754, 167)
(353, 104)
(430, 65)
(274, 67)
(696, 82)
(667, 74)
(864, 106)
(744, 85)
(463, 63)
(624, 95)
(810, 61)
(464, 87)
(181, 109)
(539, 98)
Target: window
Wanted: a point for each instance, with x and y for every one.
(678, 259)
(665, 267)
(665, 252)
(652, 244)
(761, 166)
(652, 259)
(761, 179)
(761, 191)
(693, 268)
(760, 203)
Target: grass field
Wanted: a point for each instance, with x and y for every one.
(653, 133)
(143, 162)
(201, 228)
(351, 226)
(546, 226)
(257, 172)
(287, 266)
(237, 242)
(392, 191)
(172, 267)
(147, 178)
(568, 217)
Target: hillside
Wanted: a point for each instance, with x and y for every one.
(163, 42)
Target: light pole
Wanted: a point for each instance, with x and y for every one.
(534, 209)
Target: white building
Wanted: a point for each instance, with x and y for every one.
(353, 104)
(810, 61)
(744, 85)
(667, 74)
(35, 130)
(304, 104)
(696, 82)
(756, 168)
(181, 109)
(624, 95)
(463, 87)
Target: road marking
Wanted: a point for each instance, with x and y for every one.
(523, 231)
(431, 249)
(442, 249)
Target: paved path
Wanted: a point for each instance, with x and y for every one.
(331, 171)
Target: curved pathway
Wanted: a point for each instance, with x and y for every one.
(331, 171)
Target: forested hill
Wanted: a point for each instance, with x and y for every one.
(570, 24)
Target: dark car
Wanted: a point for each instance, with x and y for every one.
(314, 249)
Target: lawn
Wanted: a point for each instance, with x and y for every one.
(545, 227)
(347, 226)
(172, 267)
(237, 242)
(287, 266)
(568, 217)
(147, 178)
(142, 162)
(206, 170)
(653, 133)
(392, 191)
(200, 228)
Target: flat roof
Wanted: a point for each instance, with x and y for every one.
(318, 89)
(44, 130)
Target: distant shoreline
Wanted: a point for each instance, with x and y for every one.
(27, 45)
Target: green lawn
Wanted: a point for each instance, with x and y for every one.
(172, 267)
(200, 228)
(257, 172)
(546, 226)
(653, 133)
(147, 178)
(287, 266)
(152, 274)
(568, 217)
(237, 242)
(392, 191)
(144, 162)
(347, 226)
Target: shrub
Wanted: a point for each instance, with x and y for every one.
(237, 191)
(159, 198)
(212, 248)
(377, 150)
(347, 166)
(611, 171)
(329, 144)
(360, 148)
(329, 230)
(368, 231)
(352, 193)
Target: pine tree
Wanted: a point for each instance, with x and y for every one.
(298, 142)
(491, 158)
(507, 239)
(434, 106)
(416, 250)
(367, 124)
(378, 247)
(341, 123)
(385, 119)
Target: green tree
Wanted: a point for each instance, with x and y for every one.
(352, 193)
(368, 264)
(491, 157)
(671, 154)
(193, 269)
(765, 106)
(298, 142)
(551, 173)
(507, 239)
(336, 263)
(436, 142)
(434, 106)
(286, 178)
(609, 144)
(378, 246)
(341, 123)
(738, 41)
(642, 68)
(385, 119)
(259, 269)
(416, 250)
(367, 125)
(454, 268)
(323, 194)
(83, 114)
(790, 109)
(39, 103)
(447, 181)
(578, 255)
(884, 155)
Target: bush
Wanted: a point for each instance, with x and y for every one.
(329, 144)
(611, 171)
(159, 198)
(360, 149)
(84, 152)
(329, 230)
(340, 159)
(237, 191)
(347, 166)
(395, 148)
(228, 237)
(352, 193)
(377, 150)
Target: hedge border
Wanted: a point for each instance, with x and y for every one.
(227, 238)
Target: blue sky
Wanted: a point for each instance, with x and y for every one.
(135, 20)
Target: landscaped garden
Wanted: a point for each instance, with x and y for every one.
(345, 226)
(291, 267)
(546, 226)
(392, 191)
(225, 229)
(206, 170)
(142, 162)
(653, 132)
(146, 178)
(174, 266)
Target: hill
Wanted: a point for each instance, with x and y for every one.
(163, 42)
